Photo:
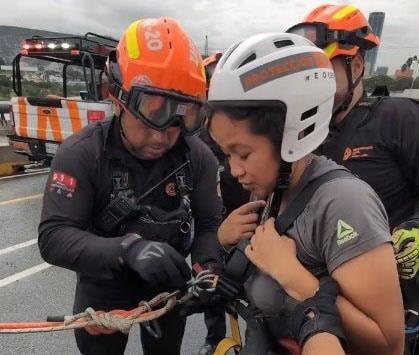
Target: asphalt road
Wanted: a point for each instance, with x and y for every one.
(30, 290)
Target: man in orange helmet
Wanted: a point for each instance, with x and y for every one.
(376, 139)
(211, 62)
(128, 199)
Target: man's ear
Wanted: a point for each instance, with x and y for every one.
(357, 66)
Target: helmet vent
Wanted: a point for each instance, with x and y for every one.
(305, 132)
(283, 43)
(309, 113)
(228, 54)
(249, 59)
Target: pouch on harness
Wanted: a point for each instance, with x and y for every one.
(127, 213)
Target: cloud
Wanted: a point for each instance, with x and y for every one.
(224, 22)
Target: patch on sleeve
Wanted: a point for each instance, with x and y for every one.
(63, 184)
(345, 232)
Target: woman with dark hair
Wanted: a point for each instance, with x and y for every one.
(270, 103)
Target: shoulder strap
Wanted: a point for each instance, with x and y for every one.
(106, 126)
(184, 178)
(296, 207)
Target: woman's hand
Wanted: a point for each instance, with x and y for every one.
(277, 256)
(274, 254)
(240, 224)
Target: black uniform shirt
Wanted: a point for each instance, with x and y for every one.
(79, 188)
(384, 152)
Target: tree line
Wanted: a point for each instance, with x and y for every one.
(37, 89)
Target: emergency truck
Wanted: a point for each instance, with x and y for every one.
(40, 124)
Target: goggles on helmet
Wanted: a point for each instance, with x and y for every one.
(160, 109)
(320, 34)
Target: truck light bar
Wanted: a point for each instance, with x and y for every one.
(47, 45)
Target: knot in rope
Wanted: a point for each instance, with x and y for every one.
(109, 320)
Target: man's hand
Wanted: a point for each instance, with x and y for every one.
(157, 263)
(240, 224)
(406, 249)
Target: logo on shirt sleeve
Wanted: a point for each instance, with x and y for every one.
(63, 184)
(345, 232)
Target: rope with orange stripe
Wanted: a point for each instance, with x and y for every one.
(118, 319)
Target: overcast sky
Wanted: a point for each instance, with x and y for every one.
(223, 21)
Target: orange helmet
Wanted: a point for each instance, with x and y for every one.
(337, 29)
(155, 57)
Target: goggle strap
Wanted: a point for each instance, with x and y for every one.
(118, 92)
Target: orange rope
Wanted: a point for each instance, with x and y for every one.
(137, 315)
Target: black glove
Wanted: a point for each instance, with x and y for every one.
(318, 314)
(157, 263)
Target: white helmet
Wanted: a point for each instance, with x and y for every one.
(280, 67)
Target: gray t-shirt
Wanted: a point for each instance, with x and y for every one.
(344, 219)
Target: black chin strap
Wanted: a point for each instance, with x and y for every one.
(282, 185)
(122, 132)
(351, 87)
(121, 127)
(284, 176)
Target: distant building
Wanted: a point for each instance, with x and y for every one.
(376, 21)
(400, 73)
(381, 71)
